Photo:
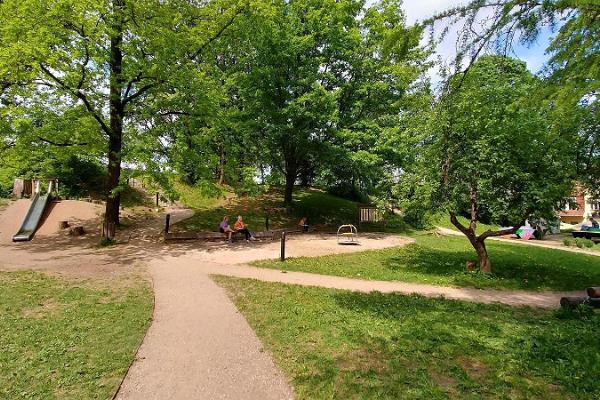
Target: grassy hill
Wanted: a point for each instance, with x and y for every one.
(323, 211)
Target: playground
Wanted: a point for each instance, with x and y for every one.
(198, 342)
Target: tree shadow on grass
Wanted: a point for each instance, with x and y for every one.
(463, 347)
(513, 266)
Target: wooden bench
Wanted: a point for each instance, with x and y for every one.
(216, 236)
(592, 235)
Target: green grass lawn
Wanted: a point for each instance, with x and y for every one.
(441, 261)
(343, 345)
(62, 339)
(323, 211)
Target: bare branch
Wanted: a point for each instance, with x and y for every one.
(63, 144)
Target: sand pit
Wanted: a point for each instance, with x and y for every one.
(73, 211)
(11, 218)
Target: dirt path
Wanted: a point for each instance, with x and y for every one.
(199, 346)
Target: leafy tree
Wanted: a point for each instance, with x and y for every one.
(106, 58)
(491, 155)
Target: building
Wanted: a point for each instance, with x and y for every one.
(579, 208)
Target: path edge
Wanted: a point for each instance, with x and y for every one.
(137, 350)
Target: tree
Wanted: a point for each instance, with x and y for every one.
(494, 156)
(106, 58)
(325, 86)
(499, 24)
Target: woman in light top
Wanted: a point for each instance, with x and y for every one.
(225, 228)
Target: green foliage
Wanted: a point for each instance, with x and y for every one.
(64, 339)
(106, 242)
(582, 242)
(569, 242)
(441, 261)
(200, 196)
(340, 344)
(79, 177)
(322, 210)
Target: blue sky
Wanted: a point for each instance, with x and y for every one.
(534, 54)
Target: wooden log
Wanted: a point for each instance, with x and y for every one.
(574, 302)
(63, 225)
(77, 231)
(593, 292)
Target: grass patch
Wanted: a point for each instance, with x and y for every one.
(441, 261)
(323, 211)
(62, 339)
(343, 345)
(201, 196)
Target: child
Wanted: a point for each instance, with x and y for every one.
(303, 224)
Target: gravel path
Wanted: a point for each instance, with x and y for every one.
(199, 346)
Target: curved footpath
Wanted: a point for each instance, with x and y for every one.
(200, 347)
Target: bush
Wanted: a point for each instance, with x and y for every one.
(581, 243)
(569, 242)
(79, 177)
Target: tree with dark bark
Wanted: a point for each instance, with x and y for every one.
(492, 155)
(108, 57)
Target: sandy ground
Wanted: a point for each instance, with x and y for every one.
(199, 346)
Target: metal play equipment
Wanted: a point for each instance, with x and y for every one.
(39, 204)
(347, 234)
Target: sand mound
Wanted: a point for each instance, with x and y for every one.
(11, 219)
(73, 211)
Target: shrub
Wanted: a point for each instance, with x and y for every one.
(581, 243)
(569, 242)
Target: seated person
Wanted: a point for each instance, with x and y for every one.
(303, 224)
(593, 225)
(241, 227)
(225, 228)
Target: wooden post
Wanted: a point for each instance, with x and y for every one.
(167, 223)
(157, 198)
(282, 246)
(267, 222)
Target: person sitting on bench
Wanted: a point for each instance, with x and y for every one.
(303, 224)
(242, 228)
(594, 225)
(225, 228)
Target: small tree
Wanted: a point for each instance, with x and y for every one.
(495, 156)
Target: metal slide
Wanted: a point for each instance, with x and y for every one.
(33, 217)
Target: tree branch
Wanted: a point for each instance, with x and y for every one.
(490, 233)
(217, 35)
(64, 144)
(80, 95)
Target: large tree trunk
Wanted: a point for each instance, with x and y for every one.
(482, 256)
(115, 140)
(478, 242)
(290, 180)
